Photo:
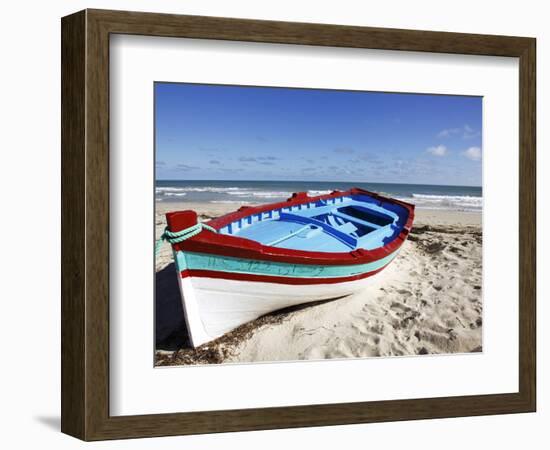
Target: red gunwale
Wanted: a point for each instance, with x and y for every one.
(233, 246)
(274, 279)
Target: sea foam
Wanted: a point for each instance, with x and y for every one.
(455, 202)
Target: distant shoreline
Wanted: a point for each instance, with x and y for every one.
(459, 198)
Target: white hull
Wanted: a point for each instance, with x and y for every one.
(214, 306)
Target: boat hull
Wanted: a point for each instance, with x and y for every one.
(219, 294)
(215, 306)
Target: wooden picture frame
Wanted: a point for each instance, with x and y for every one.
(85, 224)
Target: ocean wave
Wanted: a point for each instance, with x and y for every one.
(313, 193)
(240, 193)
(272, 194)
(175, 194)
(197, 189)
(235, 191)
(212, 189)
(160, 190)
(261, 194)
(456, 202)
(230, 202)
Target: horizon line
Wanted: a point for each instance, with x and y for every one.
(325, 181)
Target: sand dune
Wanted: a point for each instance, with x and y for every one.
(428, 301)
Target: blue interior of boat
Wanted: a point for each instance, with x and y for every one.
(340, 224)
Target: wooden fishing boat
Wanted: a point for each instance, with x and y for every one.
(240, 266)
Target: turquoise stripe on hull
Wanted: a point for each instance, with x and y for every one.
(201, 261)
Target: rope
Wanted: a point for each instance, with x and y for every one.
(179, 236)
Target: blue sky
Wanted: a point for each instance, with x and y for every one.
(213, 132)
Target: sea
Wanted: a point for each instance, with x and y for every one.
(424, 196)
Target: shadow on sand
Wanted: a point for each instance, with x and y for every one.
(172, 342)
(170, 328)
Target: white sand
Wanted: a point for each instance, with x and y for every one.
(427, 301)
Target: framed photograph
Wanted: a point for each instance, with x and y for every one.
(273, 225)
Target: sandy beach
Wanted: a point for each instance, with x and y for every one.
(428, 301)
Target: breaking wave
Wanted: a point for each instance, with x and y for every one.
(453, 202)
(175, 194)
(313, 193)
(275, 192)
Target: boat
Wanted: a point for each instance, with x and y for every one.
(258, 259)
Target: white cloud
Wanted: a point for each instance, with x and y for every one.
(448, 132)
(469, 132)
(473, 153)
(466, 131)
(440, 150)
